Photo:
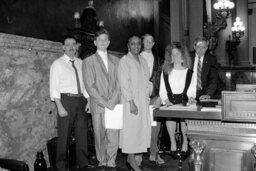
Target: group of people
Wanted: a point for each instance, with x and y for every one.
(102, 81)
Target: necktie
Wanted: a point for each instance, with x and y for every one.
(77, 78)
(199, 70)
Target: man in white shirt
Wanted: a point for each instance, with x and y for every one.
(100, 80)
(147, 54)
(68, 92)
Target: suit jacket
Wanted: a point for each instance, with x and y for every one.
(155, 77)
(209, 74)
(101, 85)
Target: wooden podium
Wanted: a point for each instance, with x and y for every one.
(222, 140)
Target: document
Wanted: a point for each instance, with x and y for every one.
(151, 108)
(191, 107)
(114, 118)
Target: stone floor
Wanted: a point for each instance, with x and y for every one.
(170, 165)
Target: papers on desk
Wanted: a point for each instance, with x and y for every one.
(191, 107)
(114, 118)
(211, 109)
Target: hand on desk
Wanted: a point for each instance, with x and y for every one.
(156, 102)
(168, 103)
(191, 100)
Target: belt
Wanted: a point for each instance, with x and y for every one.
(72, 95)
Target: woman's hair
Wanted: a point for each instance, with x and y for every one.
(168, 65)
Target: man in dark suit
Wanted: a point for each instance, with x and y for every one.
(205, 76)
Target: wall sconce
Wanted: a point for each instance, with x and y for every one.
(77, 23)
(223, 7)
(231, 44)
(238, 29)
(211, 29)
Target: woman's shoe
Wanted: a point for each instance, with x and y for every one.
(156, 158)
(129, 166)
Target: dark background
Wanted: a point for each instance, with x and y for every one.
(50, 19)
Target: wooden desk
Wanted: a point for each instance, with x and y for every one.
(217, 143)
(188, 114)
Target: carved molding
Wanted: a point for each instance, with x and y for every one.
(239, 106)
(222, 128)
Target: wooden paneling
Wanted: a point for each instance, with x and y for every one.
(239, 106)
(125, 17)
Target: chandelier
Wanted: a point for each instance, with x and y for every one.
(238, 29)
(224, 8)
(223, 11)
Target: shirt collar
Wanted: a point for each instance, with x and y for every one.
(146, 52)
(201, 58)
(102, 54)
(67, 58)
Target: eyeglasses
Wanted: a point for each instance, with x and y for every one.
(201, 47)
(149, 41)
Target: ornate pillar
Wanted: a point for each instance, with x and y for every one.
(198, 147)
(253, 150)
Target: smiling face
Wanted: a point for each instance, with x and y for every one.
(134, 45)
(102, 42)
(70, 47)
(201, 48)
(176, 56)
(148, 42)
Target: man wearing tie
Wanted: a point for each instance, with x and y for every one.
(205, 76)
(100, 80)
(68, 92)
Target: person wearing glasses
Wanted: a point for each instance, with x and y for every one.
(205, 75)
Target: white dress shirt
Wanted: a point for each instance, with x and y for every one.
(177, 80)
(149, 57)
(104, 57)
(63, 77)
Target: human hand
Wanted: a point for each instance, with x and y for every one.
(87, 108)
(156, 102)
(168, 103)
(111, 107)
(62, 111)
(204, 97)
(133, 108)
(191, 100)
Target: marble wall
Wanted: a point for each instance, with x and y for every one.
(27, 116)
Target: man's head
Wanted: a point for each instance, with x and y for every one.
(148, 42)
(102, 40)
(70, 46)
(201, 45)
(134, 45)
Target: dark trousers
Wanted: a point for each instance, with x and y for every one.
(77, 119)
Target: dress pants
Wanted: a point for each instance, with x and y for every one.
(77, 119)
(106, 141)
